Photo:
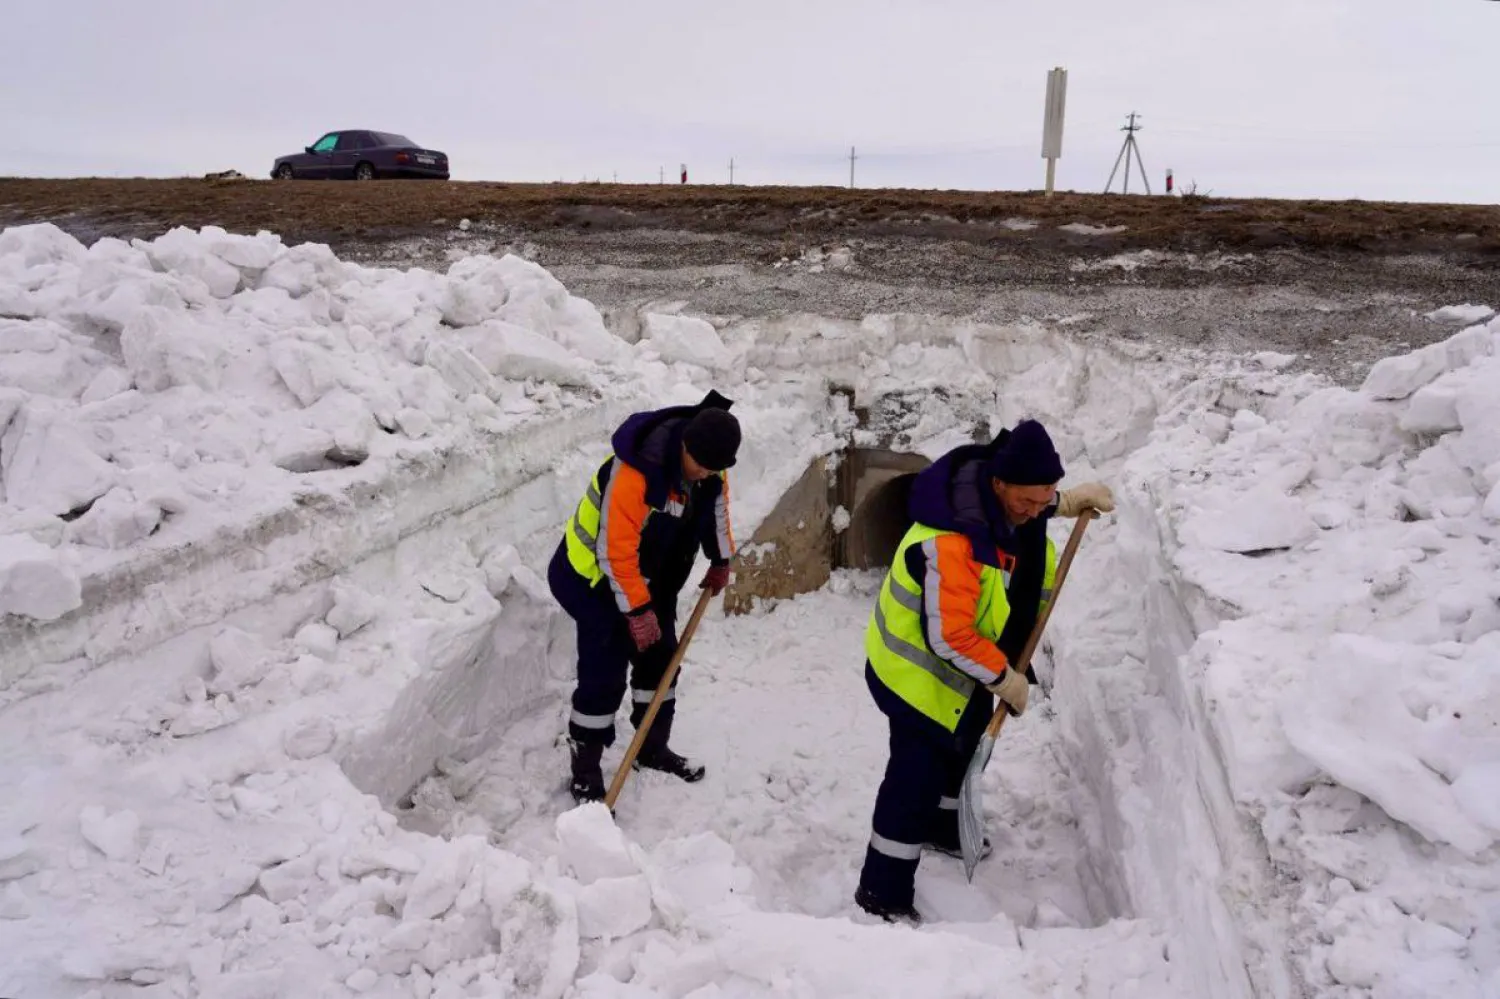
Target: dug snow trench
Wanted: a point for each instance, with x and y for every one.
(281, 689)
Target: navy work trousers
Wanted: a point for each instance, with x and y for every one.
(918, 800)
(605, 653)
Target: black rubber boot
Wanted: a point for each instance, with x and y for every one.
(890, 913)
(663, 759)
(588, 778)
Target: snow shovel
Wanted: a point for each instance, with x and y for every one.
(656, 700)
(970, 811)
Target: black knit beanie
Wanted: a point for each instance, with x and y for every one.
(713, 438)
(1027, 458)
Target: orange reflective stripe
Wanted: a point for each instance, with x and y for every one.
(951, 594)
(621, 518)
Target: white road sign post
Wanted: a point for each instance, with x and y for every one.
(1052, 122)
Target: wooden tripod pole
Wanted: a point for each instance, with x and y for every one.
(656, 700)
(1022, 663)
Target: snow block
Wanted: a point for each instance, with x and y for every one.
(1261, 520)
(47, 466)
(1398, 377)
(611, 908)
(117, 520)
(473, 676)
(164, 348)
(686, 339)
(593, 847)
(518, 353)
(34, 580)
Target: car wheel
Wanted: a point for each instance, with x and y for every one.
(284, 172)
(365, 171)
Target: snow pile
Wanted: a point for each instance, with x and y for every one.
(151, 389)
(1318, 584)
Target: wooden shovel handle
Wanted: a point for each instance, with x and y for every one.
(1071, 549)
(657, 699)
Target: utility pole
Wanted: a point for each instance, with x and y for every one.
(661, 174)
(731, 171)
(1130, 146)
(852, 158)
(1052, 122)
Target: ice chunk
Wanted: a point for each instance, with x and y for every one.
(309, 738)
(47, 466)
(1399, 377)
(35, 581)
(611, 908)
(353, 608)
(319, 639)
(107, 384)
(592, 845)
(1262, 520)
(518, 353)
(1478, 792)
(163, 348)
(307, 369)
(117, 520)
(686, 339)
(1433, 410)
(1466, 313)
(460, 369)
(239, 660)
(437, 885)
(116, 836)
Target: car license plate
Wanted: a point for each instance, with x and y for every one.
(426, 159)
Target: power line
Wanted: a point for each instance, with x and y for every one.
(1126, 150)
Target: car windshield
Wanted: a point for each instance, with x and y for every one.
(393, 139)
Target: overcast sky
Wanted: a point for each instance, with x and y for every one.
(1394, 99)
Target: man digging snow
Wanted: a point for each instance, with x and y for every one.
(626, 552)
(964, 589)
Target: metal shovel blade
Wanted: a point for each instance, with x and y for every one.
(971, 806)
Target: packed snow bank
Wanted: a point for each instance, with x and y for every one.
(1293, 711)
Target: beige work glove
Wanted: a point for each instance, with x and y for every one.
(1089, 496)
(1012, 689)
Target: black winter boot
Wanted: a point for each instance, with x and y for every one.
(663, 759)
(867, 901)
(588, 778)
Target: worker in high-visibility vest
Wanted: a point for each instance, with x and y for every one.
(628, 548)
(964, 589)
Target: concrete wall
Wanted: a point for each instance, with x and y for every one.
(796, 547)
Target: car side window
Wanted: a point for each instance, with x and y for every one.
(326, 143)
(350, 140)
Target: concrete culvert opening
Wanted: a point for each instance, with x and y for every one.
(848, 511)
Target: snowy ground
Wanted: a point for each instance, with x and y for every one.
(281, 691)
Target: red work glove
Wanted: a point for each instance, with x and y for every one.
(644, 628)
(715, 579)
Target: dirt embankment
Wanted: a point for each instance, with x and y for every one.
(338, 212)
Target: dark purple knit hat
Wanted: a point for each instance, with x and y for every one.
(1027, 458)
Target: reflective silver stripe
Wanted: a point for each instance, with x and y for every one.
(900, 851)
(601, 546)
(945, 674)
(593, 493)
(951, 804)
(675, 508)
(644, 696)
(582, 535)
(721, 521)
(1047, 593)
(592, 721)
(1006, 580)
(932, 591)
(904, 597)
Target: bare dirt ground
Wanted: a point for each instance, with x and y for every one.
(1337, 283)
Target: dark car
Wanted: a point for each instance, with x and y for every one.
(361, 155)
